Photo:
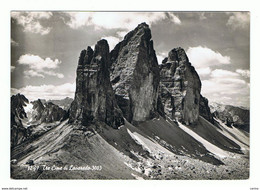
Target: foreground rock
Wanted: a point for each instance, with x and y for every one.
(135, 75)
(94, 97)
(180, 87)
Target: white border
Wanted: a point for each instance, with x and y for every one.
(134, 5)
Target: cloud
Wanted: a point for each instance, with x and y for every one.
(202, 57)
(160, 59)
(220, 73)
(226, 87)
(203, 71)
(239, 20)
(14, 43)
(121, 34)
(39, 67)
(244, 73)
(36, 62)
(227, 91)
(174, 19)
(219, 85)
(115, 20)
(161, 56)
(32, 73)
(31, 21)
(47, 91)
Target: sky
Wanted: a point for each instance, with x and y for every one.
(45, 48)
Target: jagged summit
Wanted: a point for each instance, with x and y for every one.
(180, 87)
(141, 29)
(178, 54)
(94, 97)
(135, 75)
(85, 56)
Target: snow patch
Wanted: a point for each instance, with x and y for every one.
(138, 141)
(210, 147)
(120, 127)
(28, 108)
(227, 131)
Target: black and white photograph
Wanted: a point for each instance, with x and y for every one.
(159, 95)
(129, 95)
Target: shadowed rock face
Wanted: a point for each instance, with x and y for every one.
(18, 132)
(45, 113)
(94, 97)
(135, 75)
(205, 110)
(52, 113)
(38, 109)
(180, 87)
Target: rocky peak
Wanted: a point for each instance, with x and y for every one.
(180, 87)
(94, 97)
(135, 74)
(178, 55)
(52, 113)
(37, 104)
(18, 102)
(18, 132)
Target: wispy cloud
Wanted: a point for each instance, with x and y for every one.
(226, 87)
(202, 57)
(47, 91)
(220, 73)
(31, 21)
(39, 67)
(203, 71)
(112, 20)
(227, 91)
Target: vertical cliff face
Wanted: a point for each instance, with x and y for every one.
(205, 110)
(94, 97)
(180, 87)
(135, 75)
